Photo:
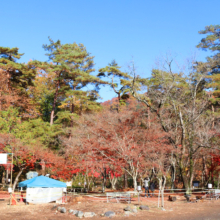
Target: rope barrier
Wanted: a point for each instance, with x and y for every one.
(140, 193)
(103, 197)
(97, 197)
(182, 189)
(175, 192)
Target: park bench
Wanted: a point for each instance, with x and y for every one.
(118, 197)
(214, 194)
(211, 194)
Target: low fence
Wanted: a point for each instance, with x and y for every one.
(128, 196)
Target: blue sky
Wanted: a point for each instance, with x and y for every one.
(113, 29)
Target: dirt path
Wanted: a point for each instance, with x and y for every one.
(181, 210)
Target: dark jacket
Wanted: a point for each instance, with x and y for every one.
(152, 186)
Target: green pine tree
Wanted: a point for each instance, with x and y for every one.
(117, 79)
(70, 67)
(212, 43)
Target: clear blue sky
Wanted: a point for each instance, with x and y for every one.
(110, 29)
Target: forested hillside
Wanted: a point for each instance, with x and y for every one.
(165, 126)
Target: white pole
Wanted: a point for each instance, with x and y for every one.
(11, 169)
(11, 179)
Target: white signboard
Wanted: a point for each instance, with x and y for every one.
(3, 158)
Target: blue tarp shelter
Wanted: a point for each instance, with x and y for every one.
(43, 189)
(42, 182)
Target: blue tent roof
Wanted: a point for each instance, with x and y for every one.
(42, 181)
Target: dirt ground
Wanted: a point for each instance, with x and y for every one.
(203, 210)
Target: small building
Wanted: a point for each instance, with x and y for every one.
(43, 189)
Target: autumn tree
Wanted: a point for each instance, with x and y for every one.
(15, 78)
(87, 162)
(26, 157)
(119, 140)
(182, 107)
(117, 80)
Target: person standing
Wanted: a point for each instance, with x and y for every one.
(152, 187)
(146, 186)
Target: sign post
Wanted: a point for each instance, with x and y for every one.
(11, 169)
(3, 160)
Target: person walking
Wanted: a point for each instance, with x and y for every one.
(146, 186)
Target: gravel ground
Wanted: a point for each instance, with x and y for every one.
(181, 210)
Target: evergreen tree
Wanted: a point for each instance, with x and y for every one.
(117, 80)
(212, 43)
(71, 66)
(43, 94)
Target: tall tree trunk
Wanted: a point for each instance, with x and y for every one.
(187, 182)
(16, 179)
(187, 173)
(186, 177)
(6, 176)
(89, 181)
(113, 181)
(212, 172)
(218, 179)
(119, 100)
(173, 176)
(72, 110)
(205, 171)
(71, 122)
(9, 87)
(162, 184)
(54, 103)
(3, 178)
(135, 182)
(148, 117)
(213, 123)
(104, 176)
(43, 167)
(125, 180)
(162, 190)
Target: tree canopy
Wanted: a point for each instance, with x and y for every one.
(165, 126)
